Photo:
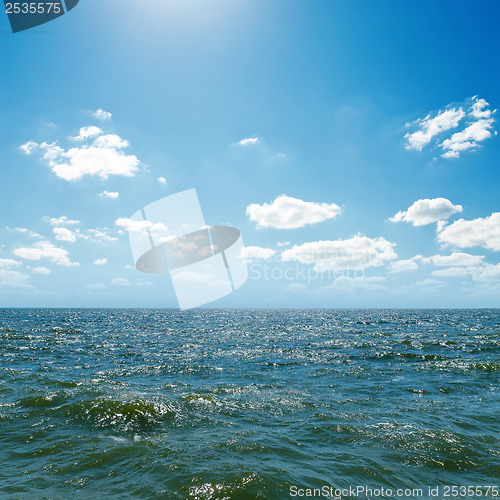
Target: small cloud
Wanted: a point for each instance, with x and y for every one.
(100, 262)
(61, 221)
(7, 263)
(286, 212)
(283, 243)
(100, 114)
(400, 266)
(41, 270)
(249, 141)
(456, 259)
(256, 253)
(427, 211)
(64, 234)
(162, 180)
(110, 194)
(28, 147)
(87, 132)
(120, 282)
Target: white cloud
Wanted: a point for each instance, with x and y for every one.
(481, 232)
(102, 156)
(456, 259)
(14, 279)
(256, 253)
(29, 147)
(120, 282)
(41, 270)
(357, 284)
(283, 243)
(400, 266)
(64, 234)
(87, 132)
(286, 212)
(484, 273)
(112, 141)
(431, 127)
(478, 127)
(158, 230)
(110, 194)
(6, 263)
(61, 221)
(100, 114)
(100, 262)
(162, 180)
(250, 140)
(100, 235)
(467, 138)
(427, 211)
(45, 250)
(358, 252)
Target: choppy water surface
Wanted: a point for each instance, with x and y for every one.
(244, 404)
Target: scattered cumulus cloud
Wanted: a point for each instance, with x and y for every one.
(41, 270)
(87, 132)
(400, 266)
(64, 234)
(473, 114)
(256, 253)
(286, 212)
(100, 262)
(99, 155)
(427, 211)
(8, 263)
(110, 194)
(162, 180)
(14, 279)
(45, 250)
(61, 221)
(455, 259)
(358, 252)
(486, 273)
(249, 141)
(481, 232)
(157, 230)
(100, 114)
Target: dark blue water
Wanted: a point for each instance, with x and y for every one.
(244, 404)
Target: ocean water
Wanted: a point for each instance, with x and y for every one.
(246, 404)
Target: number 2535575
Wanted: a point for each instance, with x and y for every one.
(33, 8)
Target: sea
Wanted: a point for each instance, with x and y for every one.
(249, 404)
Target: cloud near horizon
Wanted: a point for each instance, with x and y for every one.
(357, 253)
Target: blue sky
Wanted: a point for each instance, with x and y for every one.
(353, 143)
